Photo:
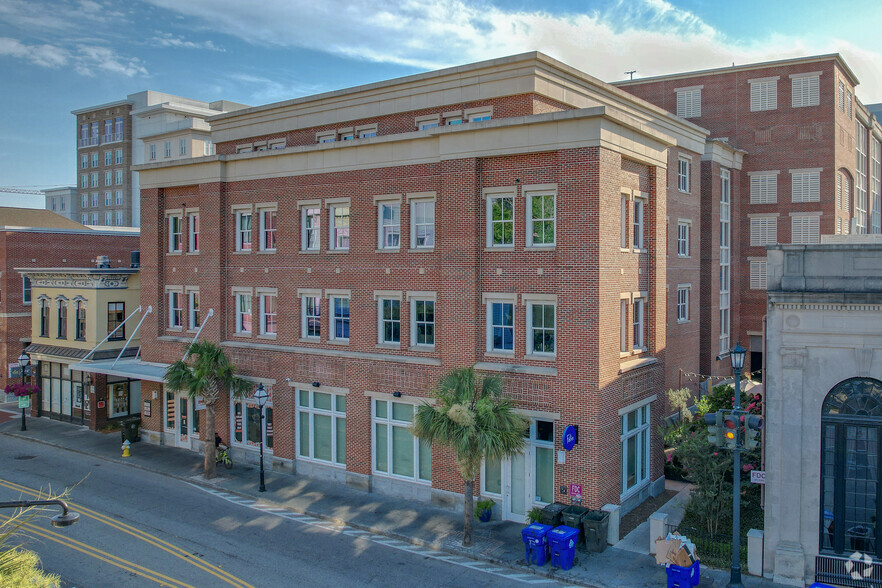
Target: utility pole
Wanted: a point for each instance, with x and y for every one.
(631, 73)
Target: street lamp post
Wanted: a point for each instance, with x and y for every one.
(261, 396)
(65, 519)
(736, 355)
(24, 360)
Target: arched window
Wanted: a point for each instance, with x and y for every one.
(851, 425)
(81, 320)
(44, 317)
(62, 319)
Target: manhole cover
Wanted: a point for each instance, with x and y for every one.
(25, 457)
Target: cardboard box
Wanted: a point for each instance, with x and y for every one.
(675, 549)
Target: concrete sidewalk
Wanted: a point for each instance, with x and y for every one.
(422, 524)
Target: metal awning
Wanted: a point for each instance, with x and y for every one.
(126, 368)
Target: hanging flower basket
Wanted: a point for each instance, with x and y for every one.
(18, 389)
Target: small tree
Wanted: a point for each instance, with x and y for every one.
(208, 375)
(473, 419)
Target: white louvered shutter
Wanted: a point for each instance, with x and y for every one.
(805, 91)
(763, 231)
(764, 189)
(757, 275)
(806, 186)
(805, 230)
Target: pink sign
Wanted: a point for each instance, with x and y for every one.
(576, 491)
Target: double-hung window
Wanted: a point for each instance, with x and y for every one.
(639, 220)
(81, 320)
(152, 154)
(175, 233)
(108, 218)
(540, 218)
(84, 180)
(268, 215)
(84, 161)
(108, 199)
(108, 178)
(684, 168)
(62, 319)
(422, 319)
(389, 223)
(193, 231)
(119, 157)
(422, 220)
(684, 228)
(321, 426)
(119, 176)
(94, 178)
(243, 311)
(339, 304)
(541, 325)
(119, 218)
(396, 451)
(311, 313)
(182, 147)
(95, 159)
(119, 197)
(763, 94)
(193, 319)
(268, 312)
(500, 323)
(683, 292)
(623, 325)
(338, 211)
(243, 229)
(116, 314)
(175, 308)
(310, 226)
(500, 217)
(108, 158)
(638, 337)
(84, 201)
(635, 449)
(44, 317)
(168, 148)
(388, 318)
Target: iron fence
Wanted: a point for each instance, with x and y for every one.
(714, 549)
(848, 571)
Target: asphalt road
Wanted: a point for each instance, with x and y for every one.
(138, 528)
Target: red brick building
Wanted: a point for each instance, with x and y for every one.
(811, 167)
(40, 238)
(354, 246)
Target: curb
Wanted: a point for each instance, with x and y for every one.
(551, 573)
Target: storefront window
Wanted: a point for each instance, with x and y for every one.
(396, 451)
(246, 422)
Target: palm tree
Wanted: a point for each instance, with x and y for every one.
(472, 418)
(209, 375)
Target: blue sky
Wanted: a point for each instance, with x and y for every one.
(56, 56)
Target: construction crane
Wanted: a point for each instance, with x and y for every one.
(14, 190)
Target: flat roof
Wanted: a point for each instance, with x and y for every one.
(13, 216)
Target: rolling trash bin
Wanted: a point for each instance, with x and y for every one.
(130, 430)
(551, 514)
(536, 543)
(562, 544)
(595, 523)
(680, 577)
(572, 517)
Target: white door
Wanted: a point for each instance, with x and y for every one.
(177, 418)
(517, 496)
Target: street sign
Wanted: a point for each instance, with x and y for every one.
(757, 477)
(14, 370)
(24, 401)
(576, 491)
(570, 437)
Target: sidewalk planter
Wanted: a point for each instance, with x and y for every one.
(595, 523)
(551, 514)
(536, 543)
(562, 544)
(680, 577)
(484, 510)
(572, 517)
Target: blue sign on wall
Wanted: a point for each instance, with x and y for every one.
(570, 437)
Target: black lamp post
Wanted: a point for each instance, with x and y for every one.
(65, 519)
(24, 360)
(261, 396)
(736, 356)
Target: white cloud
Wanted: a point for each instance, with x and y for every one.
(264, 90)
(652, 36)
(169, 40)
(42, 55)
(91, 58)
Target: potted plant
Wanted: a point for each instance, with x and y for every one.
(484, 509)
(534, 515)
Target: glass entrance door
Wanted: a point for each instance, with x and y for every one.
(177, 418)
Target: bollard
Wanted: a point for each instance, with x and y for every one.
(125, 448)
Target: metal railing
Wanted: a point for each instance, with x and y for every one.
(112, 137)
(714, 549)
(848, 571)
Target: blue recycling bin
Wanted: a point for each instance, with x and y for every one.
(680, 577)
(562, 543)
(536, 543)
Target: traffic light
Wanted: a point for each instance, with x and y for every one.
(714, 422)
(752, 427)
(731, 430)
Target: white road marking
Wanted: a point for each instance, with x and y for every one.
(480, 566)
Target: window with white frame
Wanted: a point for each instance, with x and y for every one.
(153, 151)
(500, 326)
(268, 312)
(539, 449)
(84, 161)
(246, 425)
(860, 184)
(119, 197)
(25, 290)
(684, 228)
(62, 203)
(326, 137)
(366, 131)
(623, 326)
(339, 317)
(389, 321)
(207, 147)
(427, 122)
(193, 232)
(168, 148)
(95, 159)
(310, 227)
(683, 293)
(805, 185)
(243, 312)
(389, 219)
(541, 219)
(182, 147)
(84, 180)
(758, 274)
(805, 90)
(763, 94)
(94, 214)
(763, 188)
(94, 182)
(763, 230)
(684, 169)
(321, 426)
(397, 452)
(422, 223)
(108, 199)
(500, 220)
(805, 229)
(638, 337)
(689, 102)
(108, 158)
(84, 218)
(478, 115)
(635, 449)
(311, 312)
(119, 157)
(95, 203)
(876, 185)
(175, 309)
(108, 178)
(175, 233)
(422, 322)
(119, 218)
(639, 212)
(541, 327)
(339, 214)
(243, 230)
(193, 319)
(53, 204)
(626, 198)
(108, 218)
(268, 228)
(84, 201)
(119, 177)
